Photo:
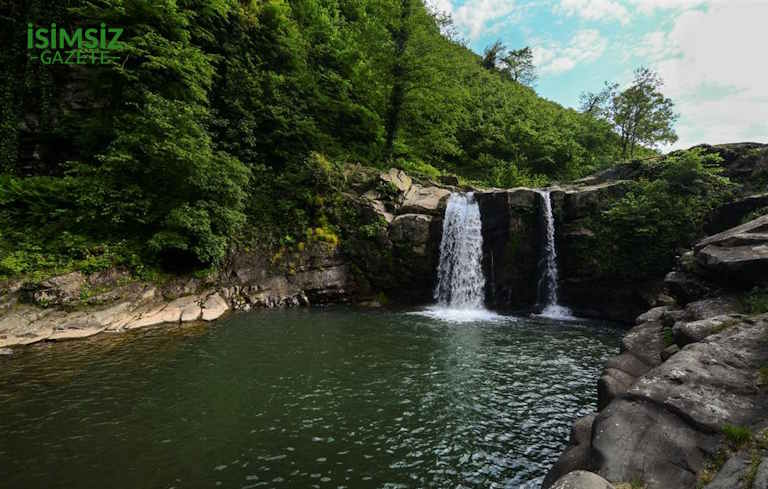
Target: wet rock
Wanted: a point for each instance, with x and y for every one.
(580, 479)
(214, 307)
(576, 456)
(511, 242)
(6, 351)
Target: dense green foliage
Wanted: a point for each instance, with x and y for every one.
(640, 114)
(230, 120)
(661, 214)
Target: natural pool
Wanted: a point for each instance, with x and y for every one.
(332, 398)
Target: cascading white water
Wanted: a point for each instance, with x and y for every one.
(547, 283)
(460, 290)
(460, 280)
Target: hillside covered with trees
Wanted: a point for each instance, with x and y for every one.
(228, 122)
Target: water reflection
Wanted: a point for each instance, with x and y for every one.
(322, 398)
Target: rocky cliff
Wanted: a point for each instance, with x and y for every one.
(685, 403)
(398, 259)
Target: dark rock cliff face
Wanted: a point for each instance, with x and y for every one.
(513, 238)
(511, 246)
(584, 288)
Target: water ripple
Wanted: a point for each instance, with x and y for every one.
(322, 398)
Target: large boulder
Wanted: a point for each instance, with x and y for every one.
(582, 201)
(415, 253)
(738, 255)
(674, 413)
(412, 230)
(686, 287)
(685, 333)
(56, 291)
(581, 479)
(424, 200)
(732, 213)
(576, 456)
(635, 439)
(398, 179)
(732, 475)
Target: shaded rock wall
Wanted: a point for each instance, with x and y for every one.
(511, 246)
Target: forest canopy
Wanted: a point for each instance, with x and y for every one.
(219, 112)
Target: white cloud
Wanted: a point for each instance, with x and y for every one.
(594, 9)
(655, 46)
(441, 6)
(553, 58)
(477, 17)
(712, 63)
(649, 6)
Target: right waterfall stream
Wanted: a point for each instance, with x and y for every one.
(546, 287)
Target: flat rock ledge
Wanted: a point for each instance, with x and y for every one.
(24, 324)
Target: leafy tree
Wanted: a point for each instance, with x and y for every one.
(518, 63)
(641, 114)
(493, 55)
(221, 115)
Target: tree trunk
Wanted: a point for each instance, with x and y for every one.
(397, 96)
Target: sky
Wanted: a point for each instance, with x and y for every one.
(711, 54)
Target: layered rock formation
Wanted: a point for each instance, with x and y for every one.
(686, 372)
(405, 258)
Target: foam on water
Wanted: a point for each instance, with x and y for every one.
(461, 315)
(460, 290)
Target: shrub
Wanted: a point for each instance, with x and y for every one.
(756, 301)
(737, 436)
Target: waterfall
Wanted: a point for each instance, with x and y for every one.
(547, 283)
(460, 280)
(460, 290)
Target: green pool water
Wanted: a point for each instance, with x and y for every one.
(336, 398)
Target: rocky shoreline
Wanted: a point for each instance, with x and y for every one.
(685, 403)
